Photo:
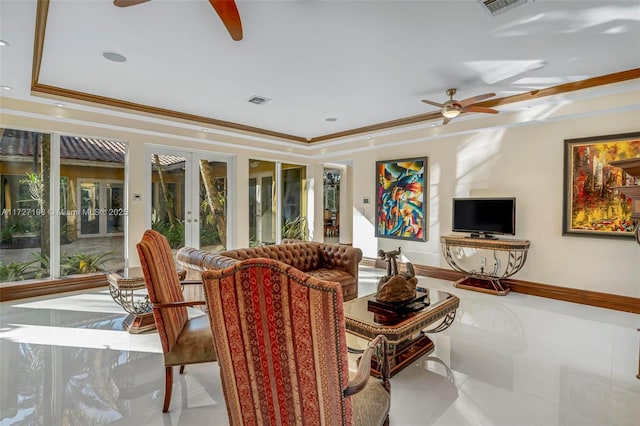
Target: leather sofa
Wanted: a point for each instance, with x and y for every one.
(330, 262)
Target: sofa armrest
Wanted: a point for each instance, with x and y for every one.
(198, 260)
(342, 257)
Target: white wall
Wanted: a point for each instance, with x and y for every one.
(525, 162)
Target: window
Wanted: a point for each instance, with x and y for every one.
(25, 163)
(268, 206)
(82, 230)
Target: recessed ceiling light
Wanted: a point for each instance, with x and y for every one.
(330, 119)
(204, 130)
(6, 87)
(114, 57)
(4, 43)
(59, 104)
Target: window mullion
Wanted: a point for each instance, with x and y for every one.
(54, 210)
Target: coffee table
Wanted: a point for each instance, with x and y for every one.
(406, 334)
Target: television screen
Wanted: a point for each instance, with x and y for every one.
(484, 216)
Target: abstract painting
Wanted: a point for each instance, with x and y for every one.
(400, 199)
(592, 205)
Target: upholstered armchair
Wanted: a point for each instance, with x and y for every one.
(184, 341)
(282, 349)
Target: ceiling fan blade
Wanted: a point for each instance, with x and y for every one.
(476, 108)
(446, 120)
(228, 13)
(475, 99)
(426, 101)
(127, 3)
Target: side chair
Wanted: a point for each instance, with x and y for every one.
(282, 349)
(184, 341)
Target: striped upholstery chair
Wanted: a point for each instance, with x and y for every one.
(184, 341)
(282, 350)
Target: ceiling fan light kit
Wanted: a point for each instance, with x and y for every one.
(451, 111)
(452, 108)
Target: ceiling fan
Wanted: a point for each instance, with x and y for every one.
(226, 10)
(452, 108)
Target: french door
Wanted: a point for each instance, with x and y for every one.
(189, 197)
(101, 207)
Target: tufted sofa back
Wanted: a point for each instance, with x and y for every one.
(329, 262)
(302, 256)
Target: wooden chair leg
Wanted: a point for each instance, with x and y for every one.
(182, 369)
(168, 387)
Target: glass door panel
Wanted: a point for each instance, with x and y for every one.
(213, 205)
(294, 208)
(189, 198)
(115, 208)
(262, 209)
(168, 180)
(267, 210)
(253, 210)
(89, 208)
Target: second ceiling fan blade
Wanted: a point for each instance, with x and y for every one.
(426, 101)
(476, 108)
(228, 13)
(475, 99)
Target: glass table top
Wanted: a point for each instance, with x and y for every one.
(359, 310)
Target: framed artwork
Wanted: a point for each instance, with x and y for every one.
(400, 199)
(592, 205)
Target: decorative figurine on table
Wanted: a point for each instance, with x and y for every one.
(396, 287)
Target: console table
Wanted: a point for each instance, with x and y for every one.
(484, 281)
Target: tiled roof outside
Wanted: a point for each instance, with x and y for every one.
(76, 148)
(22, 143)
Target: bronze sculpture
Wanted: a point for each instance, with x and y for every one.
(396, 287)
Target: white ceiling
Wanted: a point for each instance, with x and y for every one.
(362, 62)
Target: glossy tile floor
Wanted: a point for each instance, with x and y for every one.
(514, 360)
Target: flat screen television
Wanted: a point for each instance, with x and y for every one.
(483, 217)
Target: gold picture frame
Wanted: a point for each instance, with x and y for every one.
(592, 205)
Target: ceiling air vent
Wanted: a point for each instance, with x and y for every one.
(258, 100)
(498, 6)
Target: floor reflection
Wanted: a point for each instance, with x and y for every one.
(513, 360)
(68, 361)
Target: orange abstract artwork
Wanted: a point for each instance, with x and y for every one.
(592, 204)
